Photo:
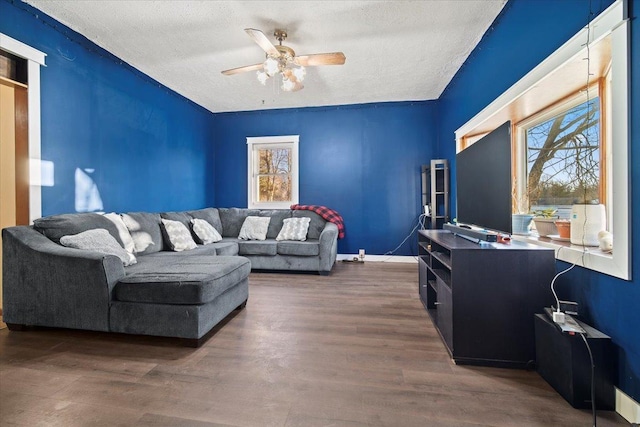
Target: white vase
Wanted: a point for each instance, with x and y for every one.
(586, 222)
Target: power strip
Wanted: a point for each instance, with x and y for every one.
(565, 322)
(355, 260)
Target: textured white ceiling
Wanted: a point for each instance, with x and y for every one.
(396, 50)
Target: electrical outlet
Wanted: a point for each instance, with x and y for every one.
(361, 254)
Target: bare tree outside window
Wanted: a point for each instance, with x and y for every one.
(274, 175)
(563, 158)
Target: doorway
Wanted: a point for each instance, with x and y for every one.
(14, 145)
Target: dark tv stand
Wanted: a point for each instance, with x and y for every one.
(482, 298)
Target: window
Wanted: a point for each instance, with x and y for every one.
(563, 155)
(272, 172)
(539, 100)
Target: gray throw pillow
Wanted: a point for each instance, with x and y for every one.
(254, 228)
(98, 240)
(294, 229)
(205, 232)
(178, 235)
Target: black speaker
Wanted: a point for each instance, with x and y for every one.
(563, 361)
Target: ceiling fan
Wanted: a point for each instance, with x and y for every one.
(282, 60)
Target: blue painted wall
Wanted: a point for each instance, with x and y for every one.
(524, 34)
(362, 160)
(151, 149)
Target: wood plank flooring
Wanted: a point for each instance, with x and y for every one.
(352, 349)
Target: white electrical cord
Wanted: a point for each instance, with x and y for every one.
(420, 223)
(553, 289)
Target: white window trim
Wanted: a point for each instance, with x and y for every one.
(35, 59)
(610, 22)
(252, 185)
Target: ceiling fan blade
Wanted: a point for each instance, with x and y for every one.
(244, 69)
(335, 58)
(262, 41)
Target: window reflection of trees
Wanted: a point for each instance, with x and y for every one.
(274, 174)
(563, 157)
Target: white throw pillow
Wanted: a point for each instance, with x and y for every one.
(179, 235)
(254, 228)
(123, 231)
(98, 240)
(205, 231)
(294, 229)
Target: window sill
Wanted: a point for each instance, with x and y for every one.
(272, 205)
(589, 257)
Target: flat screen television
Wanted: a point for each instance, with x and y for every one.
(483, 181)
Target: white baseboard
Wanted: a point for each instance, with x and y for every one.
(627, 407)
(380, 258)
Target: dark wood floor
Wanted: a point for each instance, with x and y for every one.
(352, 349)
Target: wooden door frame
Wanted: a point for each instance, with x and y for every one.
(35, 59)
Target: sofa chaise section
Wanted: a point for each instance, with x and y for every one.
(185, 298)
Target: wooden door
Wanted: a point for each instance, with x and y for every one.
(14, 158)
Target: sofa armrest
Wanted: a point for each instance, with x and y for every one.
(328, 247)
(46, 284)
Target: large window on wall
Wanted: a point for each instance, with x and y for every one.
(564, 154)
(272, 172)
(570, 136)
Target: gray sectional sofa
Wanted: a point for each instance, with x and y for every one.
(175, 294)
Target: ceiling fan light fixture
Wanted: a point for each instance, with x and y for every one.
(262, 77)
(271, 66)
(287, 85)
(282, 60)
(299, 72)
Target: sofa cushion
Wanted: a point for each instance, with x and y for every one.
(210, 215)
(178, 236)
(98, 240)
(277, 217)
(309, 248)
(254, 228)
(315, 226)
(233, 218)
(170, 256)
(204, 232)
(226, 247)
(294, 229)
(145, 231)
(257, 247)
(189, 280)
(56, 226)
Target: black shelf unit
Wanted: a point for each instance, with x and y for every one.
(482, 297)
(563, 361)
(435, 192)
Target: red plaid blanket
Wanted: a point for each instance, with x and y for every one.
(326, 213)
